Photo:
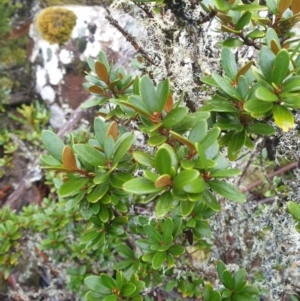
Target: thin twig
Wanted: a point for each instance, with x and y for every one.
(270, 176)
(130, 38)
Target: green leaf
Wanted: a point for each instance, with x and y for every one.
(280, 67)
(153, 234)
(163, 161)
(292, 84)
(157, 140)
(143, 158)
(210, 138)
(228, 191)
(220, 269)
(163, 93)
(149, 94)
(140, 186)
(225, 86)
(265, 94)
(72, 186)
(261, 129)
(211, 201)
(158, 259)
(226, 293)
(222, 5)
(249, 7)
(197, 186)
(107, 281)
(283, 118)
(97, 193)
(232, 42)
(109, 147)
(95, 284)
(186, 207)
(100, 130)
(294, 210)
(176, 250)
(239, 279)
(174, 117)
(257, 107)
(227, 280)
(164, 204)
(128, 289)
(256, 34)
(103, 58)
(266, 59)
(53, 144)
(235, 145)
(185, 177)
(112, 297)
(123, 144)
(228, 63)
(89, 154)
(272, 5)
(243, 20)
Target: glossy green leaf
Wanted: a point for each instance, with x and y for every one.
(258, 108)
(228, 191)
(174, 117)
(226, 293)
(100, 130)
(143, 158)
(236, 144)
(95, 284)
(72, 186)
(292, 84)
(117, 179)
(172, 154)
(158, 259)
(283, 118)
(107, 281)
(227, 279)
(157, 140)
(256, 34)
(186, 207)
(225, 86)
(89, 154)
(123, 144)
(232, 42)
(53, 144)
(149, 94)
(136, 103)
(220, 269)
(112, 297)
(140, 186)
(261, 129)
(97, 193)
(222, 5)
(265, 94)
(243, 20)
(266, 59)
(294, 210)
(176, 250)
(185, 177)
(272, 5)
(239, 279)
(128, 289)
(248, 7)
(164, 204)
(222, 106)
(228, 63)
(280, 67)
(210, 138)
(197, 186)
(202, 160)
(162, 93)
(163, 161)
(211, 201)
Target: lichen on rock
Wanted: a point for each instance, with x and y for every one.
(55, 24)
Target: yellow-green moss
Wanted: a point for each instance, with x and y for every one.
(56, 24)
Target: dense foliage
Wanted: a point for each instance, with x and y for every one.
(137, 196)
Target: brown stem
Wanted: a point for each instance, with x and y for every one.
(270, 176)
(130, 39)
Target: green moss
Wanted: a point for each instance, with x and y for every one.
(56, 24)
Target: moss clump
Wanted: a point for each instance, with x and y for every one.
(56, 24)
